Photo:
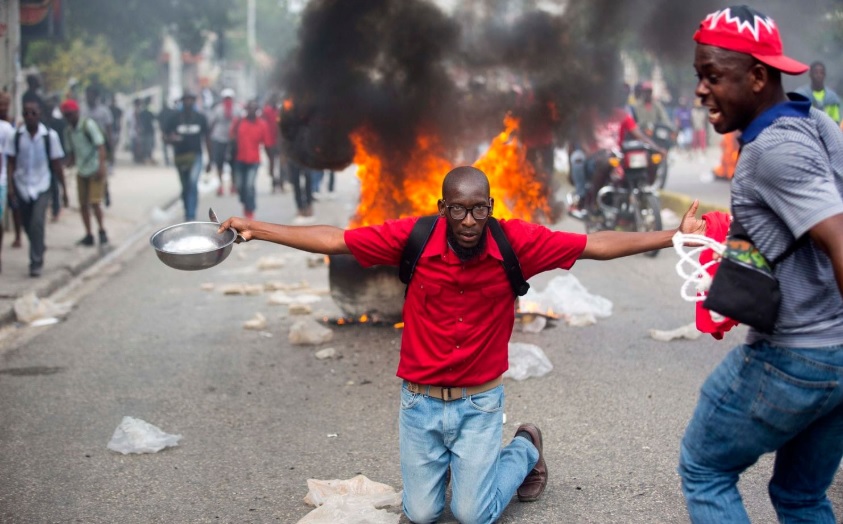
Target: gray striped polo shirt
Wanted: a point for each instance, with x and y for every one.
(788, 179)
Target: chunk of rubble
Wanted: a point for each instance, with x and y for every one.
(242, 289)
(207, 286)
(323, 354)
(269, 263)
(308, 332)
(299, 309)
(258, 323)
(688, 331)
(279, 298)
(285, 286)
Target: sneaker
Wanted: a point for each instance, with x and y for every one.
(531, 489)
(103, 237)
(35, 272)
(87, 240)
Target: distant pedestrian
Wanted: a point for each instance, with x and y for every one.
(7, 133)
(116, 119)
(699, 124)
(277, 169)
(100, 114)
(54, 120)
(221, 118)
(249, 134)
(682, 123)
(35, 153)
(164, 117)
(146, 130)
(86, 149)
(822, 97)
(186, 131)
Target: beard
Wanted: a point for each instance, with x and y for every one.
(466, 253)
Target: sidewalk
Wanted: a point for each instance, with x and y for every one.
(136, 192)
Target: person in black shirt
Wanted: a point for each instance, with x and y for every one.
(186, 130)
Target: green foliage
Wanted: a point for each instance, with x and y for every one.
(82, 61)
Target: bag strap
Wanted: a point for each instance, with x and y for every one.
(510, 262)
(19, 133)
(420, 234)
(737, 230)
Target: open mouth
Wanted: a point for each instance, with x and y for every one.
(714, 115)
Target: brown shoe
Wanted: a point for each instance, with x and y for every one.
(531, 489)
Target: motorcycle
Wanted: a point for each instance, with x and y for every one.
(628, 202)
(665, 137)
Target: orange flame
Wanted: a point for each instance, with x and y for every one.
(416, 189)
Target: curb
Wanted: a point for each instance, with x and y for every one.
(50, 285)
(679, 203)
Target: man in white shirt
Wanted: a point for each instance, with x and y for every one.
(7, 132)
(30, 169)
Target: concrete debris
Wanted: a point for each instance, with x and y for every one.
(317, 260)
(268, 263)
(308, 332)
(207, 286)
(258, 323)
(299, 309)
(284, 286)
(688, 331)
(279, 298)
(322, 354)
(242, 289)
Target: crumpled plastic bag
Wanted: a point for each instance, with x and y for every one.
(566, 296)
(525, 361)
(134, 435)
(29, 308)
(354, 501)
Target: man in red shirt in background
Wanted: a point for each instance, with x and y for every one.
(249, 133)
(269, 114)
(458, 318)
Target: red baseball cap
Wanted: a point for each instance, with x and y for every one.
(69, 105)
(745, 30)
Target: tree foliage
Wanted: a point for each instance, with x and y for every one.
(83, 62)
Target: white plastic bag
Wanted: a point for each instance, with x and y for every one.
(566, 296)
(354, 501)
(29, 308)
(134, 435)
(525, 361)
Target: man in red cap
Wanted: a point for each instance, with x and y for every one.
(780, 391)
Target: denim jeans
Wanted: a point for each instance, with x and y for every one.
(244, 178)
(189, 178)
(464, 434)
(764, 399)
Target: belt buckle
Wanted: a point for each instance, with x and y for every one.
(447, 397)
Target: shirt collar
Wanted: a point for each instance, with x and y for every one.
(437, 245)
(798, 106)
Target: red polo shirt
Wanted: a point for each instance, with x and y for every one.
(458, 317)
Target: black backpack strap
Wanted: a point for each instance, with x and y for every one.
(510, 262)
(419, 236)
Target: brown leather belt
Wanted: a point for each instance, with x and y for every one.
(452, 393)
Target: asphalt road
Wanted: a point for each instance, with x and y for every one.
(259, 416)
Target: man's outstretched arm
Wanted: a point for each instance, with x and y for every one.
(606, 245)
(327, 240)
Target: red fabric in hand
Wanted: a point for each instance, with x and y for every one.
(716, 228)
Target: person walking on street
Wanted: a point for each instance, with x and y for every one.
(54, 120)
(782, 391)
(248, 133)
(277, 170)
(822, 97)
(459, 314)
(100, 114)
(35, 157)
(7, 133)
(222, 116)
(86, 150)
(186, 131)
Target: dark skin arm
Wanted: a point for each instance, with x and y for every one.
(606, 245)
(10, 168)
(327, 240)
(58, 172)
(828, 235)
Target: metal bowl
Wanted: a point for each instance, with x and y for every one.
(191, 246)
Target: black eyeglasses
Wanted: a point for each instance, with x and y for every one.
(480, 212)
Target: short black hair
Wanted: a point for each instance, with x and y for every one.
(817, 63)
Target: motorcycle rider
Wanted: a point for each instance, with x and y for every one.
(649, 112)
(600, 134)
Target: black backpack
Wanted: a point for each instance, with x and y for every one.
(421, 234)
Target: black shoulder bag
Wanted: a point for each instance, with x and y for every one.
(744, 287)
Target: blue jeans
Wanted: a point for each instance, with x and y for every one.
(464, 434)
(764, 399)
(189, 177)
(302, 179)
(244, 177)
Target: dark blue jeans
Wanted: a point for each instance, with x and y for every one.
(302, 180)
(244, 178)
(764, 399)
(34, 217)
